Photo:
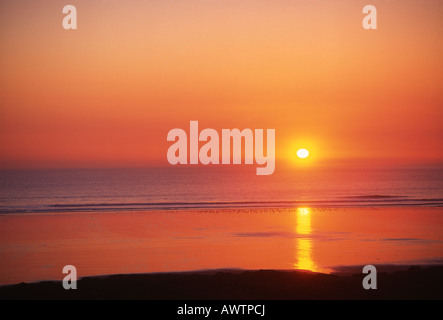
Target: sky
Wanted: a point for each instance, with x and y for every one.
(108, 93)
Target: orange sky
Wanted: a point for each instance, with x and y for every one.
(108, 93)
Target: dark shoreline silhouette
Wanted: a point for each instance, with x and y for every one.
(412, 283)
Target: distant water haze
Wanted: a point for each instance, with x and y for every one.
(141, 189)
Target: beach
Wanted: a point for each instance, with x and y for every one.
(170, 248)
(412, 283)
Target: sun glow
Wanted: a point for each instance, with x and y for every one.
(302, 153)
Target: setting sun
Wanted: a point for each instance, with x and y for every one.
(302, 153)
(305, 151)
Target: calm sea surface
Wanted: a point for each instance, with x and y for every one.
(180, 219)
(214, 187)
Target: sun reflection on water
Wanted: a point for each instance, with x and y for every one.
(303, 241)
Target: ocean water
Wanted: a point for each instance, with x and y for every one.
(36, 247)
(113, 221)
(174, 188)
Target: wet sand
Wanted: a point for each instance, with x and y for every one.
(36, 247)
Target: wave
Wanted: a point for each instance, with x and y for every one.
(350, 201)
(374, 196)
(254, 203)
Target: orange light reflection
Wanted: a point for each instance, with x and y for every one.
(303, 242)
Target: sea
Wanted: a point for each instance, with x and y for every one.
(173, 219)
(215, 187)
